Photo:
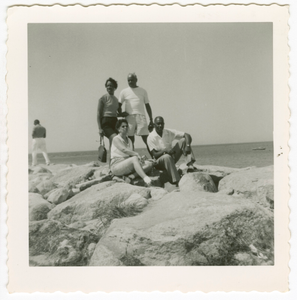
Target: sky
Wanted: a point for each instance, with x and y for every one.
(212, 80)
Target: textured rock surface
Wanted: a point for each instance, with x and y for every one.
(38, 207)
(254, 184)
(54, 244)
(197, 182)
(73, 175)
(59, 195)
(195, 228)
(113, 223)
(46, 186)
(95, 201)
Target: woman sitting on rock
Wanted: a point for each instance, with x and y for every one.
(125, 161)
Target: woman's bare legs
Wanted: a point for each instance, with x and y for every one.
(147, 167)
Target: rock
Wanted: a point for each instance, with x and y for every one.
(38, 207)
(103, 256)
(59, 195)
(95, 202)
(135, 200)
(256, 184)
(38, 169)
(157, 193)
(91, 249)
(184, 229)
(101, 172)
(197, 182)
(73, 176)
(168, 187)
(220, 171)
(35, 179)
(88, 184)
(96, 226)
(46, 186)
(58, 245)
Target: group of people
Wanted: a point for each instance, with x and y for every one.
(121, 127)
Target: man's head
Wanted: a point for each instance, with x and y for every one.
(36, 122)
(159, 124)
(132, 80)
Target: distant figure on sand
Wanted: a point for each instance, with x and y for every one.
(107, 111)
(136, 99)
(160, 144)
(39, 135)
(125, 161)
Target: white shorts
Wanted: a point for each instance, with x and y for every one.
(137, 125)
(39, 144)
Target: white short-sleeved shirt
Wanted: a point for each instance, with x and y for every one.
(134, 99)
(158, 143)
(115, 152)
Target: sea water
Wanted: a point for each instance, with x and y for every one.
(227, 155)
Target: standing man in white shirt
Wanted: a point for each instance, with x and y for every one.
(136, 102)
(160, 144)
(39, 135)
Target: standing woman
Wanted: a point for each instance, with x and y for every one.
(107, 112)
(125, 161)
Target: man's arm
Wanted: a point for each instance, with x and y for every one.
(149, 112)
(157, 154)
(188, 139)
(120, 113)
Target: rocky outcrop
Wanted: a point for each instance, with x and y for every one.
(46, 186)
(53, 244)
(183, 229)
(95, 202)
(73, 175)
(197, 182)
(216, 216)
(255, 184)
(59, 195)
(38, 207)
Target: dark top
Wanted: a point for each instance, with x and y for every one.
(38, 132)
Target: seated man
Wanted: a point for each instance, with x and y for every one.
(160, 144)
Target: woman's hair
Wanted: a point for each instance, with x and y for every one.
(120, 122)
(115, 84)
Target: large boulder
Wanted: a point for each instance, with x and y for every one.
(53, 244)
(46, 186)
(35, 179)
(96, 202)
(59, 195)
(220, 171)
(197, 182)
(185, 229)
(38, 207)
(73, 175)
(256, 184)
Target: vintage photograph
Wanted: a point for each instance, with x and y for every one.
(185, 111)
(154, 147)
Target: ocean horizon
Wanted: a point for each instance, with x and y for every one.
(236, 155)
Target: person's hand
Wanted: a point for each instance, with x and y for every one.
(151, 126)
(101, 133)
(171, 151)
(124, 114)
